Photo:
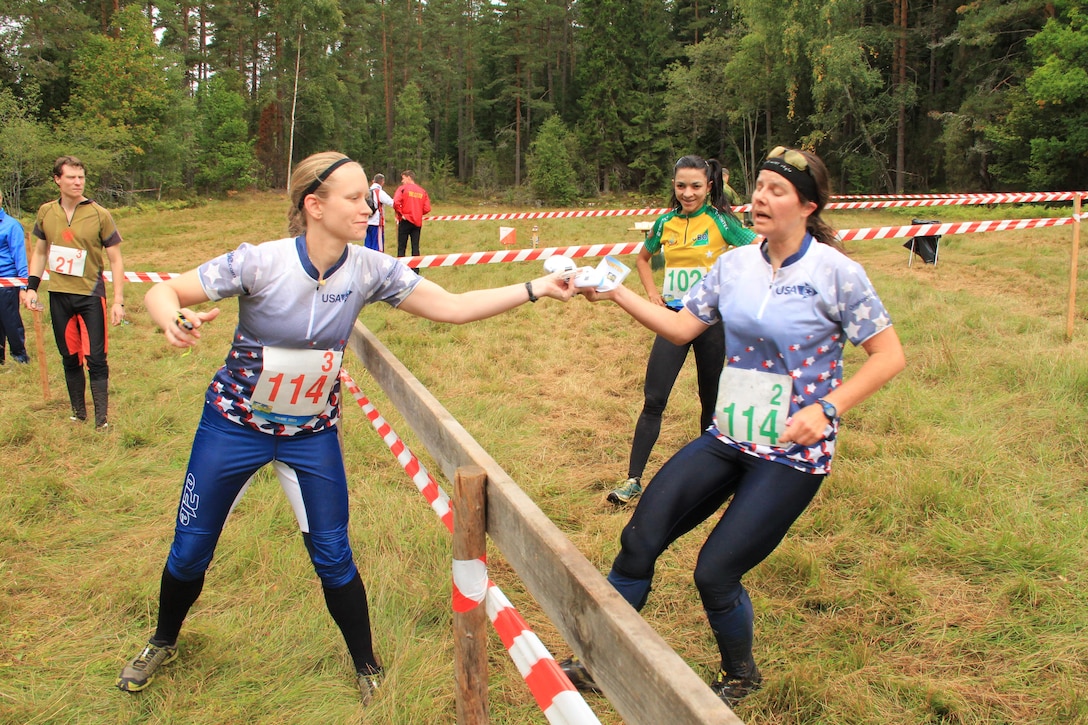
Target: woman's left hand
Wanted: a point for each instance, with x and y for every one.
(806, 427)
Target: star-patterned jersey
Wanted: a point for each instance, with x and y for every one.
(287, 315)
(792, 322)
(691, 243)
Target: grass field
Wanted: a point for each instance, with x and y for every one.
(938, 577)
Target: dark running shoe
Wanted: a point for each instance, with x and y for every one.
(732, 690)
(578, 675)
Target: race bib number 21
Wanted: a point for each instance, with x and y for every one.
(66, 260)
(753, 406)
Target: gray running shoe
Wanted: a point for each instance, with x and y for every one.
(627, 492)
(369, 683)
(139, 673)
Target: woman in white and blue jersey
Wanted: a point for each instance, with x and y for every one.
(789, 305)
(276, 398)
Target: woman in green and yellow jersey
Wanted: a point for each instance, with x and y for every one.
(699, 227)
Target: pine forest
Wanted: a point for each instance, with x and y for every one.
(555, 101)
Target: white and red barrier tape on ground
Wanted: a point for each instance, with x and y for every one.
(620, 248)
(560, 702)
(873, 202)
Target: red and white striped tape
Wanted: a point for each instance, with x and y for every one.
(573, 214)
(129, 277)
(619, 248)
(436, 497)
(1028, 198)
(599, 250)
(470, 583)
(871, 202)
(557, 698)
(521, 255)
(843, 197)
(915, 230)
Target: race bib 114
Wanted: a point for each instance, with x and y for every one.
(752, 405)
(295, 384)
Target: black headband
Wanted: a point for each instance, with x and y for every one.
(321, 179)
(801, 180)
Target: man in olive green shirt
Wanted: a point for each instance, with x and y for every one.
(73, 237)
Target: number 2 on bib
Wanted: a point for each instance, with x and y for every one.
(753, 406)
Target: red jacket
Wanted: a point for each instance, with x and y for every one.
(410, 201)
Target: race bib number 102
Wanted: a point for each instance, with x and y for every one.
(295, 384)
(678, 281)
(753, 406)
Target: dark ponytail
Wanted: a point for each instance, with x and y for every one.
(816, 226)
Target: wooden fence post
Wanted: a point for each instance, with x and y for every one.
(39, 340)
(1071, 314)
(470, 628)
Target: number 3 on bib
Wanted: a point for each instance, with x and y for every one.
(753, 406)
(294, 385)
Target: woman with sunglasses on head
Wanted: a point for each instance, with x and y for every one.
(699, 227)
(788, 305)
(277, 397)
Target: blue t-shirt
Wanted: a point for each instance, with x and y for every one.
(280, 376)
(794, 322)
(12, 246)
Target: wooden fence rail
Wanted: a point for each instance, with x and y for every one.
(643, 678)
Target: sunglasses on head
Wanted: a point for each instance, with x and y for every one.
(794, 158)
(691, 162)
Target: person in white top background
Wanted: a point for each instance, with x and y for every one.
(375, 225)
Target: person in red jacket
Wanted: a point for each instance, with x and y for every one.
(410, 202)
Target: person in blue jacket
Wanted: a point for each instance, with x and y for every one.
(12, 264)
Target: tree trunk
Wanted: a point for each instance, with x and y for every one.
(203, 72)
(387, 84)
(517, 122)
(899, 72)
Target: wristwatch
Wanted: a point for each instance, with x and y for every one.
(830, 411)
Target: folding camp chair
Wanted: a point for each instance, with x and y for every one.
(924, 246)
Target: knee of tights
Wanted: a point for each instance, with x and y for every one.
(336, 576)
(332, 559)
(653, 408)
(190, 555)
(186, 572)
(717, 593)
